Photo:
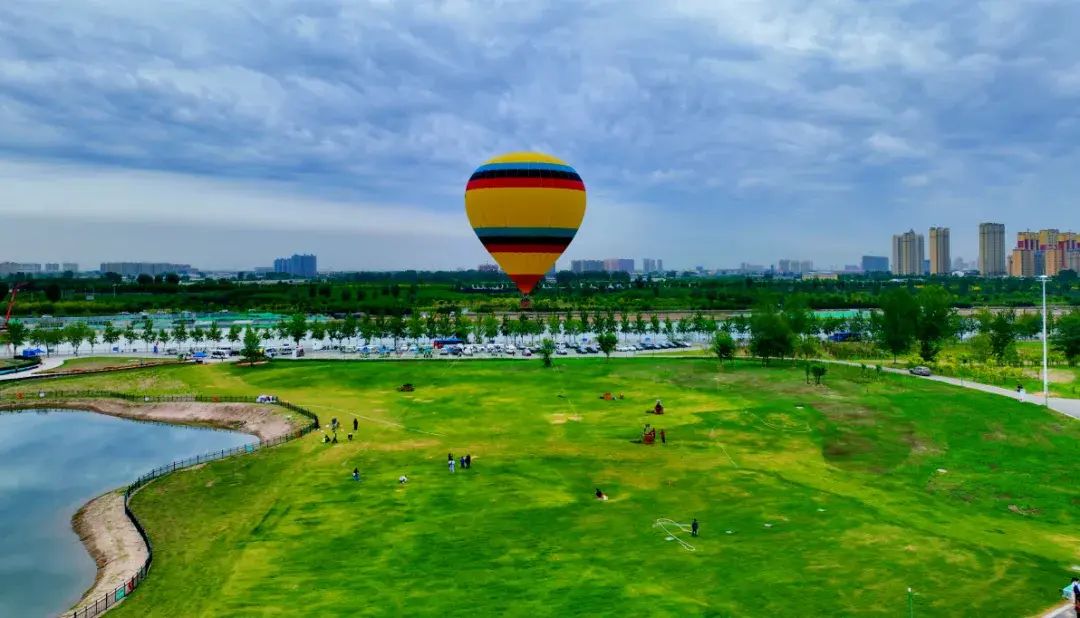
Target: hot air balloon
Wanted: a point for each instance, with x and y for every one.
(525, 207)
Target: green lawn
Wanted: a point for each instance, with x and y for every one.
(95, 363)
(838, 497)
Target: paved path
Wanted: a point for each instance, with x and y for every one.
(48, 363)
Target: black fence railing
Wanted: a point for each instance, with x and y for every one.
(121, 592)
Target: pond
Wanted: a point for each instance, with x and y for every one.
(51, 463)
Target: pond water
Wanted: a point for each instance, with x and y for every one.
(51, 463)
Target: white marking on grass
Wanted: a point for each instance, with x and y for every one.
(378, 420)
(672, 529)
(805, 429)
(728, 455)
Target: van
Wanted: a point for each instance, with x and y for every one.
(219, 354)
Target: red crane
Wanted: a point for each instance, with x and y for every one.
(10, 306)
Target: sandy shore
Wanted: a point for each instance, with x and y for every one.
(102, 525)
(113, 543)
(264, 421)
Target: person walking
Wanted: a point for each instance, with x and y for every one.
(1072, 592)
(468, 461)
(355, 425)
(451, 465)
(663, 437)
(1020, 392)
(694, 527)
(462, 463)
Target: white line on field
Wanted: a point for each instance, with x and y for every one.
(379, 420)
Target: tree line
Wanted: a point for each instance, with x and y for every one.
(776, 328)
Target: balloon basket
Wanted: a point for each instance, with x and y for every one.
(526, 303)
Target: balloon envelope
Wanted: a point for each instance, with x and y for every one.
(525, 207)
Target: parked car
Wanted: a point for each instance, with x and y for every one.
(561, 351)
(919, 371)
(526, 352)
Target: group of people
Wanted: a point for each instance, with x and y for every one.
(466, 462)
(331, 438)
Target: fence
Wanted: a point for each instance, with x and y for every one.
(121, 592)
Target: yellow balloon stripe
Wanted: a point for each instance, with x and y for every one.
(525, 263)
(525, 207)
(525, 157)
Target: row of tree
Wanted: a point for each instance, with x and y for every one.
(924, 320)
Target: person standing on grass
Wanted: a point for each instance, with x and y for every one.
(663, 437)
(451, 464)
(355, 425)
(1020, 392)
(462, 463)
(468, 461)
(356, 474)
(1072, 592)
(694, 527)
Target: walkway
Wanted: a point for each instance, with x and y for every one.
(48, 363)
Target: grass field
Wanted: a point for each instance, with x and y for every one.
(95, 363)
(838, 497)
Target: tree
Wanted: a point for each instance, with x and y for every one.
(547, 348)
(607, 342)
(1067, 336)
(624, 324)
(770, 335)
(16, 335)
(75, 334)
(179, 335)
(318, 331)
(110, 334)
(1029, 325)
(52, 292)
(91, 337)
(894, 325)
(723, 346)
(48, 337)
(297, 328)
(234, 333)
(349, 327)
(213, 333)
(1000, 331)
(415, 327)
(654, 324)
(819, 371)
(640, 326)
(148, 332)
(491, 327)
(144, 279)
(252, 350)
(554, 324)
(935, 321)
(198, 335)
(131, 334)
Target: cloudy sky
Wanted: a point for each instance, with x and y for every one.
(226, 133)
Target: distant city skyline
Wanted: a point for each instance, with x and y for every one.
(731, 133)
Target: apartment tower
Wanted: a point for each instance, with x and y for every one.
(992, 249)
(940, 264)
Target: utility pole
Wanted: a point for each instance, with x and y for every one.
(911, 603)
(1045, 371)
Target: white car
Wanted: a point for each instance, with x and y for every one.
(510, 349)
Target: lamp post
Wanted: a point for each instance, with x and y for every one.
(1045, 371)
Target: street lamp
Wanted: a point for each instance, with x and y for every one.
(1046, 374)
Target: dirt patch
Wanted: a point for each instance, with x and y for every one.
(263, 421)
(560, 419)
(1027, 512)
(112, 541)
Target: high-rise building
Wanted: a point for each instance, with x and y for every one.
(488, 268)
(940, 263)
(586, 266)
(1026, 259)
(17, 268)
(908, 253)
(619, 265)
(875, 264)
(69, 267)
(134, 269)
(992, 249)
(795, 267)
(52, 267)
(651, 265)
(297, 266)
